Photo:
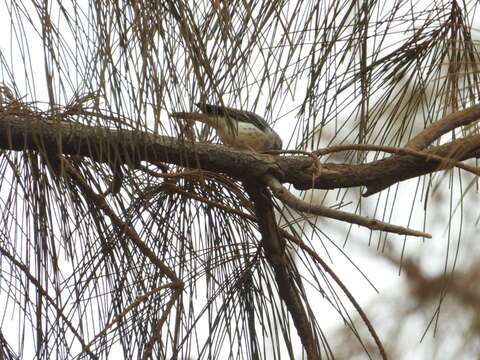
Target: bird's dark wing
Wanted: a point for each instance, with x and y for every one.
(234, 114)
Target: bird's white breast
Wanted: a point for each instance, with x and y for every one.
(245, 136)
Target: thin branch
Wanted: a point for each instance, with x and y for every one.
(176, 285)
(128, 230)
(41, 290)
(291, 200)
(139, 300)
(158, 326)
(398, 168)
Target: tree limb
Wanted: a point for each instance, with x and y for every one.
(274, 249)
(291, 200)
(438, 128)
(27, 132)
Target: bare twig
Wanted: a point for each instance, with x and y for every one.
(158, 326)
(100, 202)
(293, 239)
(139, 300)
(291, 200)
(52, 301)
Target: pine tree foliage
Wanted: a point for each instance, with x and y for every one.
(125, 234)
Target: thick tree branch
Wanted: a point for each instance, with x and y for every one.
(400, 151)
(22, 132)
(449, 122)
(128, 147)
(274, 249)
(398, 168)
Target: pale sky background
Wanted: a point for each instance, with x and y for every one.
(437, 254)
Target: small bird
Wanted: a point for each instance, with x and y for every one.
(243, 130)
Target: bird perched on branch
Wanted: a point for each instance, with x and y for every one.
(243, 130)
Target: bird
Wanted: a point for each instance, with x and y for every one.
(238, 129)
